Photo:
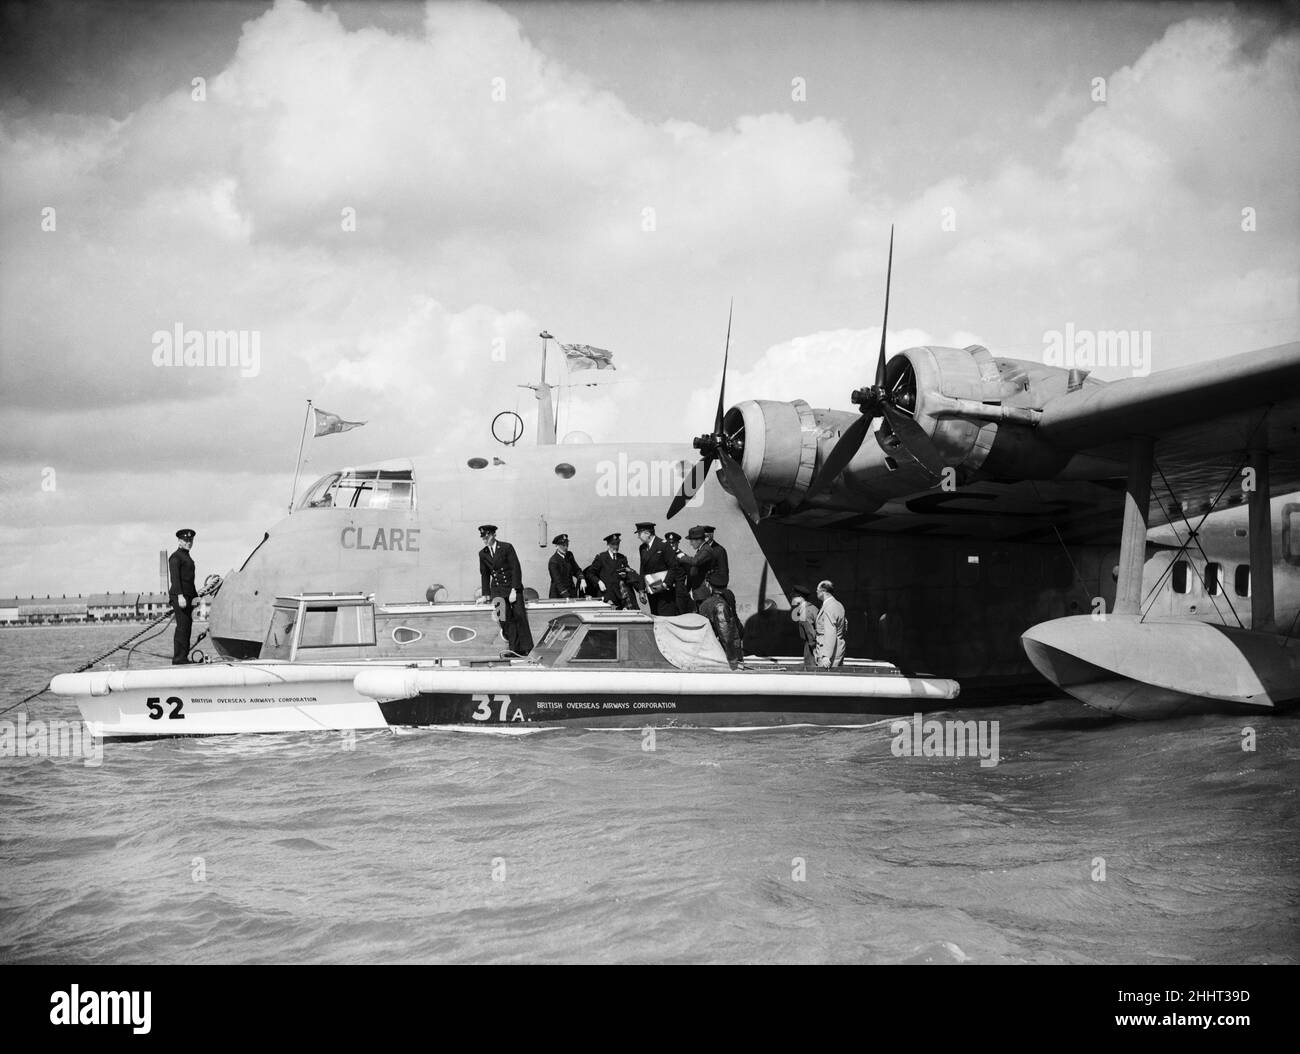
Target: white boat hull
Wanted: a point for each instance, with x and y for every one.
(221, 699)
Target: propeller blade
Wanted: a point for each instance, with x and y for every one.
(722, 388)
(740, 487)
(839, 458)
(694, 480)
(912, 440)
(884, 326)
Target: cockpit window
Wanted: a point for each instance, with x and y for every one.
(321, 493)
(362, 489)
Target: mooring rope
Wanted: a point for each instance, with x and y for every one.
(211, 584)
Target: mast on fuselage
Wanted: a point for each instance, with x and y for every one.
(546, 434)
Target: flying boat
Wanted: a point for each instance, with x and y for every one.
(1021, 527)
(1007, 503)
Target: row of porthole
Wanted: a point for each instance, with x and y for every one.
(403, 635)
(564, 470)
(1181, 579)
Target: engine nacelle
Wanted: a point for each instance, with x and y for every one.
(978, 411)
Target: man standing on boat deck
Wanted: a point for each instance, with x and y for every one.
(566, 575)
(803, 613)
(679, 576)
(726, 627)
(707, 564)
(831, 625)
(658, 563)
(719, 575)
(720, 570)
(607, 575)
(182, 594)
(503, 582)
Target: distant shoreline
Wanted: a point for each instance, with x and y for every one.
(83, 625)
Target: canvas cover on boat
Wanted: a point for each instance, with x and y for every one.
(688, 642)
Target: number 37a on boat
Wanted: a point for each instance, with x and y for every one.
(502, 705)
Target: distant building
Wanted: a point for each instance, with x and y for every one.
(93, 607)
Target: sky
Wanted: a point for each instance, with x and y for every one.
(390, 201)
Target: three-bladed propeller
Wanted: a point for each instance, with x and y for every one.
(900, 434)
(720, 447)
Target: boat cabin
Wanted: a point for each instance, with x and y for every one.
(630, 640)
(351, 627)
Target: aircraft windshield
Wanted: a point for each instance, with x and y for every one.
(362, 489)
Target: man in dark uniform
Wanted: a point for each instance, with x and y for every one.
(657, 559)
(607, 575)
(710, 573)
(181, 593)
(566, 575)
(720, 572)
(708, 562)
(678, 579)
(719, 575)
(726, 626)
(503, 580)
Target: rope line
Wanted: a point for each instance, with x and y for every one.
(159, 623)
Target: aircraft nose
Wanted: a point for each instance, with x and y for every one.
(230, 619)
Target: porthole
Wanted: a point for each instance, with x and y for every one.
(461, 634)
(406, 635)
(477, 462)
(564, 470)
(1241, 582)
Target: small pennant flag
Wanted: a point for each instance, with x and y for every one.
(327, 423)
(585, 357)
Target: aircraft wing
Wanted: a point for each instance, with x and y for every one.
(1204, 417)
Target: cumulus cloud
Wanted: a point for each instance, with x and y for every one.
(398, 214)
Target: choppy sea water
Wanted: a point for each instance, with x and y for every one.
(1091, 841)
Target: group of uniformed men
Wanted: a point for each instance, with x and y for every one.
(673, 582)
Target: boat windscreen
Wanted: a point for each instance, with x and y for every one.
(333, 627)
(557, 633)
(279, 637)
(599, 645)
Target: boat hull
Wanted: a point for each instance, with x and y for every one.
(221, 699)
(637, 699)
(649, 711)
